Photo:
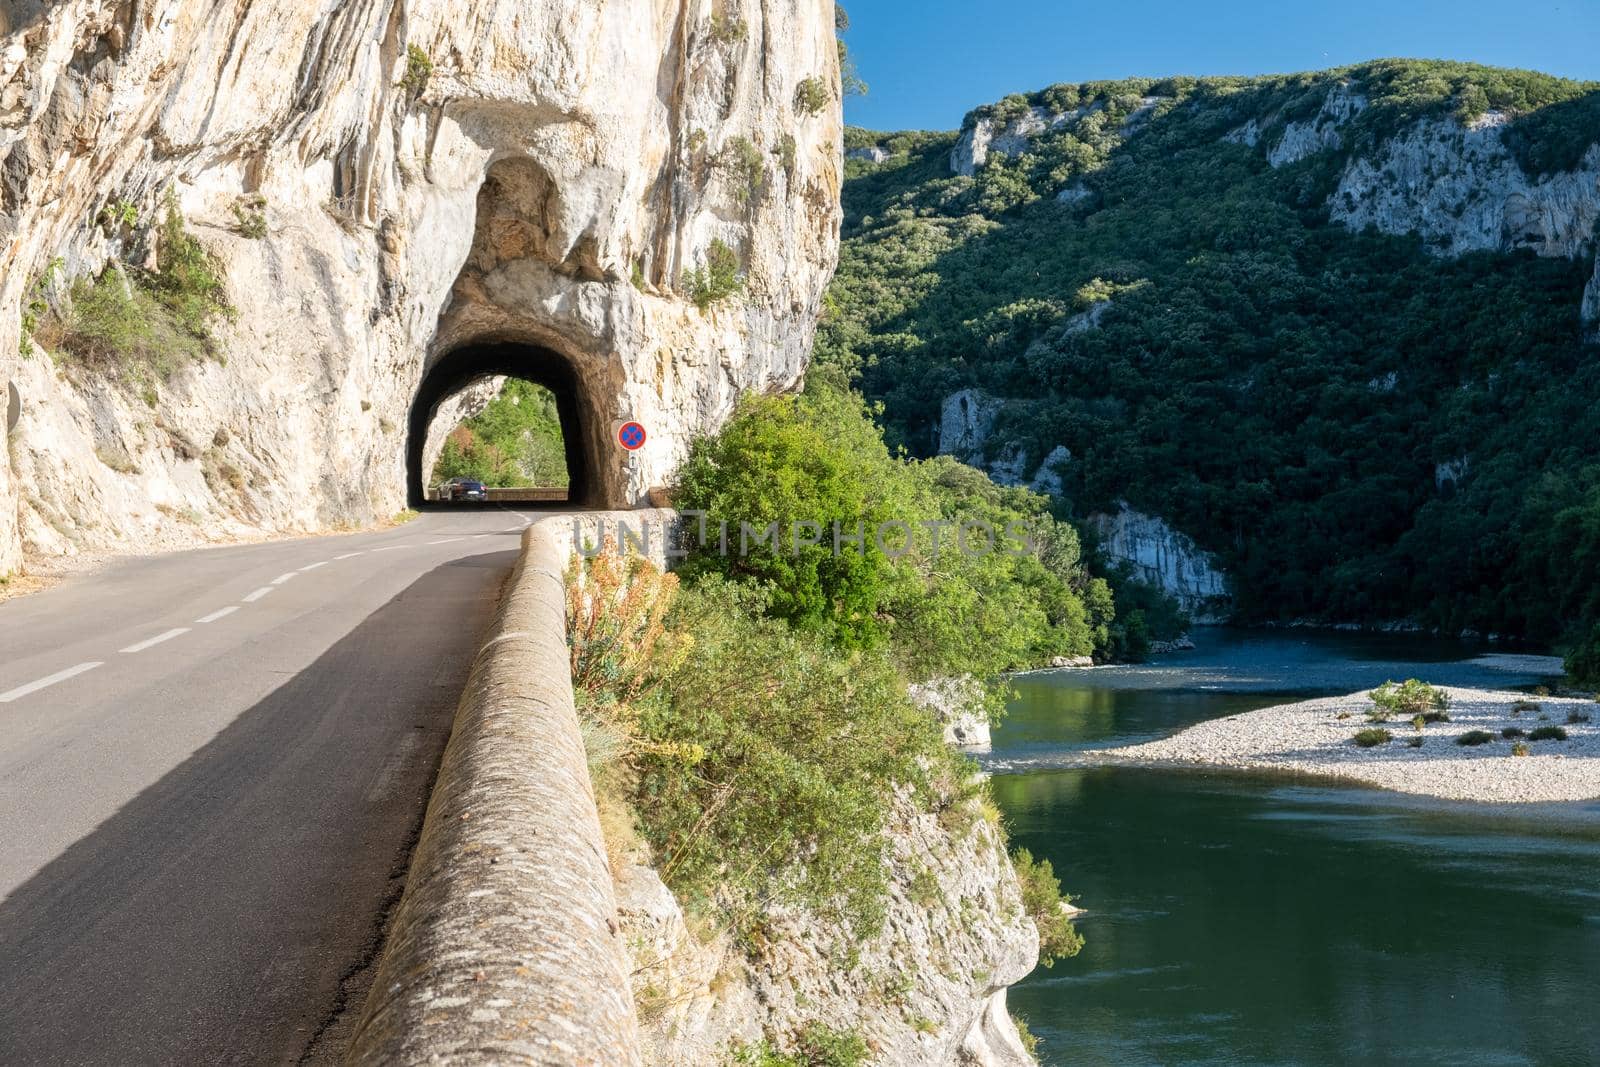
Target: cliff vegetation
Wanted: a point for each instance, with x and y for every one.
(750, 730)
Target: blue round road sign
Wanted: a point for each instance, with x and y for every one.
(630, 435)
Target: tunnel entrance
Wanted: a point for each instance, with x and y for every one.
(534, 364)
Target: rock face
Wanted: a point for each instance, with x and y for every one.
(1008, 138)
(543, 178)
(1301, 139)
(965, 419)
(1463, 191)
(1166, 559)
(957, 704)
(928, 990)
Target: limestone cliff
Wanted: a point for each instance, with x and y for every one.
(1166, 559)
(385, 186)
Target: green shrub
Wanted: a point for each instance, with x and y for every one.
(419, 69)
(815, 1044)
(1413, 742)
(1411, 697)
(811, 96)
(746, 169)
(770, 746)
(115, 321)
(717, 278)
(819, 1045)
(1582, 662)
(1371, 738)
(188, 281)
(250, 216)
(1476, 737)
(728, 30)
(1512, 731)
(1520, 749)
(36, 305)
(1030, 1041)
(820, 458)
(118, 214)
(1547, 733)
(787, 152)
(1520, 706)
(1042, 899)
(1576, 717)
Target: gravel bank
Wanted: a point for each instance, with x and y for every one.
(1310, 736)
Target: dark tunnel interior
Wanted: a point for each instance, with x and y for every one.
(534, 363)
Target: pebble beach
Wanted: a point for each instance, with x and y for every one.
(1316, 737)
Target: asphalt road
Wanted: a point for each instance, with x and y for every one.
(213, 765)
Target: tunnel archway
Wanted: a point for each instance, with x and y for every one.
(535, 363)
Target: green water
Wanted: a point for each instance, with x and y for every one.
(1250, 920)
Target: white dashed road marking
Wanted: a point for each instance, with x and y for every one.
(446, 541)
(215, 615)
(280, 579)
(150, 642)
(60, 676)
(258, 594)
(388, 548)
(347, 555)
(313, 566)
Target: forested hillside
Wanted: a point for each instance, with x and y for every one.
(1207, 292)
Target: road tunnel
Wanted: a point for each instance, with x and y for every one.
(463, 366)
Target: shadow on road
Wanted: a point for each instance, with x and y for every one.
(224, 914)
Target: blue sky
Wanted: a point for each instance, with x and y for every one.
(928, 62)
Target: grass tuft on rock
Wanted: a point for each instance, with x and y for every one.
(1373, 737)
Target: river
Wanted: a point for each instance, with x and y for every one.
(1247, 919)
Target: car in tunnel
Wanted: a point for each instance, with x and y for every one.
(465, 489)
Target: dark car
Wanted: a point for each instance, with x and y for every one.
(465, 489)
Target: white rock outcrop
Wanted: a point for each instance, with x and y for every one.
(1248, 134)
(1010, 138)
(965, 419)
(1317, 134)
(871, 154)
(548, 183)
(1463, 191)
(958, 706)
(1166, 559)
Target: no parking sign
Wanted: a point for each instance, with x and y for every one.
(630, 435)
